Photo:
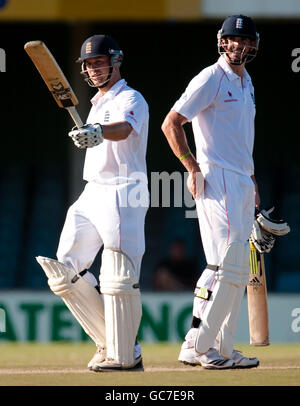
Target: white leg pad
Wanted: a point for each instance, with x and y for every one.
(232, 274)
(225, 338)
(82, 299)
(123, 305)
(235, 267)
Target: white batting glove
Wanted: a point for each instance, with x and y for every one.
(261, 239)
(276, 227)
(87, 136)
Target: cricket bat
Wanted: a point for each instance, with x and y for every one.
(257, 300)
(54, 78)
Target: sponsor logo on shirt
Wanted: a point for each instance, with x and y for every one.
(231, 98)
(131, 115)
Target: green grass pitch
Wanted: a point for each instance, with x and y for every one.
(65, 364)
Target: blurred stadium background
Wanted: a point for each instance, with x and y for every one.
(166, 43)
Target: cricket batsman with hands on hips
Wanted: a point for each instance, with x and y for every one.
(219, 102)
(115, 139)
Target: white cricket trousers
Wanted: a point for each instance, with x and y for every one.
(226, 214)
(108, 215)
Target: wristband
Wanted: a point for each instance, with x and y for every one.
(185, 155)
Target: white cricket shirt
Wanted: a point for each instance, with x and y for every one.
(115, 162)
(221, 107)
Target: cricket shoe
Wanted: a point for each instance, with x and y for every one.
(108, 365)
(243, 362)
(210, 360)
(111, 365)
(99, 356)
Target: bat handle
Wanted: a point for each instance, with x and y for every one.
(75, 116)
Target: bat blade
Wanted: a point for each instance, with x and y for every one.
(54, 78)
(257, 300)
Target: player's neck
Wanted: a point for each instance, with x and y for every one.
(238, 69)
(114, 79)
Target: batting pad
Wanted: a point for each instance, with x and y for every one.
(232, 275)
(225, 338)
(82, 299)
(122, 304)
(235, 267)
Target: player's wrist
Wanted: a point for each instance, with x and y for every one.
(184, 155)
(191, 164)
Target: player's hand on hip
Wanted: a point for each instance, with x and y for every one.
(195, 183)
(87, 136)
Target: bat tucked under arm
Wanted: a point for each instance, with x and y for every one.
(54, 78)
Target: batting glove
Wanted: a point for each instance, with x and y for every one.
(261, 239)
(276, 227)
(87, 136)
(265, 230)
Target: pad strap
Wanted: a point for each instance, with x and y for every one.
(212, 267)
(76, 277)
(202, 293)
(195, 322)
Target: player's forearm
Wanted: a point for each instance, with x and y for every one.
(173, 130)
(116, 131)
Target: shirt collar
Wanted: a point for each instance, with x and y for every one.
(229, 72)
(112, 92)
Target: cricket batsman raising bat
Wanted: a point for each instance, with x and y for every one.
(53, 77)
(115, 140)
(262, 241)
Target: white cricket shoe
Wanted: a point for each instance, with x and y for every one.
(243, 362)
(210, 360)
(99, 356)
(109, 365)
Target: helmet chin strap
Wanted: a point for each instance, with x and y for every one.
(89, 80)
(235, 61)
(106, 82)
